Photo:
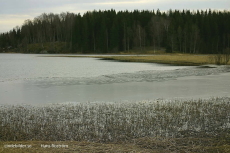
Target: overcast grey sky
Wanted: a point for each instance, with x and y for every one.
(14, 12)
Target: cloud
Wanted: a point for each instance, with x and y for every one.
(28, 9)
(36, 7)
(124, 2)
(8, 22)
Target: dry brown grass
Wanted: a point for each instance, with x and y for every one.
(73, 146)
(141, 145)
(175, 59)
(157, 126)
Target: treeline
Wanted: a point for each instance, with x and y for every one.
(110, 32)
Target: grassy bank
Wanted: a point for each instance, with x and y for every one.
(174, 59)
(193, 125)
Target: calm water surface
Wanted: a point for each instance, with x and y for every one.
(33, 79)
(25, 66)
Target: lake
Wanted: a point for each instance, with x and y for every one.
(35, 79)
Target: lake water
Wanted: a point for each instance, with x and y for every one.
(33, 79)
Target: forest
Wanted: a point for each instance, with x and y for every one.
(110, 31)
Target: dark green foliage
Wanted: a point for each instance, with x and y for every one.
(110, 32)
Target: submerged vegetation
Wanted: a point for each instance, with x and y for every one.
(118, 122)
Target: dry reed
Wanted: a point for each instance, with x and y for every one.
(115, 122)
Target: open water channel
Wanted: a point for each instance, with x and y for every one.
(38, 80)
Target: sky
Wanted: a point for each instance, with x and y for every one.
(14, 12)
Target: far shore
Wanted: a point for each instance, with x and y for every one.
(161, 58)
(173, 59)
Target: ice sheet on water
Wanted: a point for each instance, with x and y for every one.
(141, 76)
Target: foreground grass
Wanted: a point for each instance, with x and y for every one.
(147, 126)
(142, 145)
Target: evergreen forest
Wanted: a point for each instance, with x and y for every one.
(110, 31)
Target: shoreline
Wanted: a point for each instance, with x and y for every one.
(165, 58)
(172, 59)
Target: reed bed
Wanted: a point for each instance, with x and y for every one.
(175, 59)
(116, 122)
